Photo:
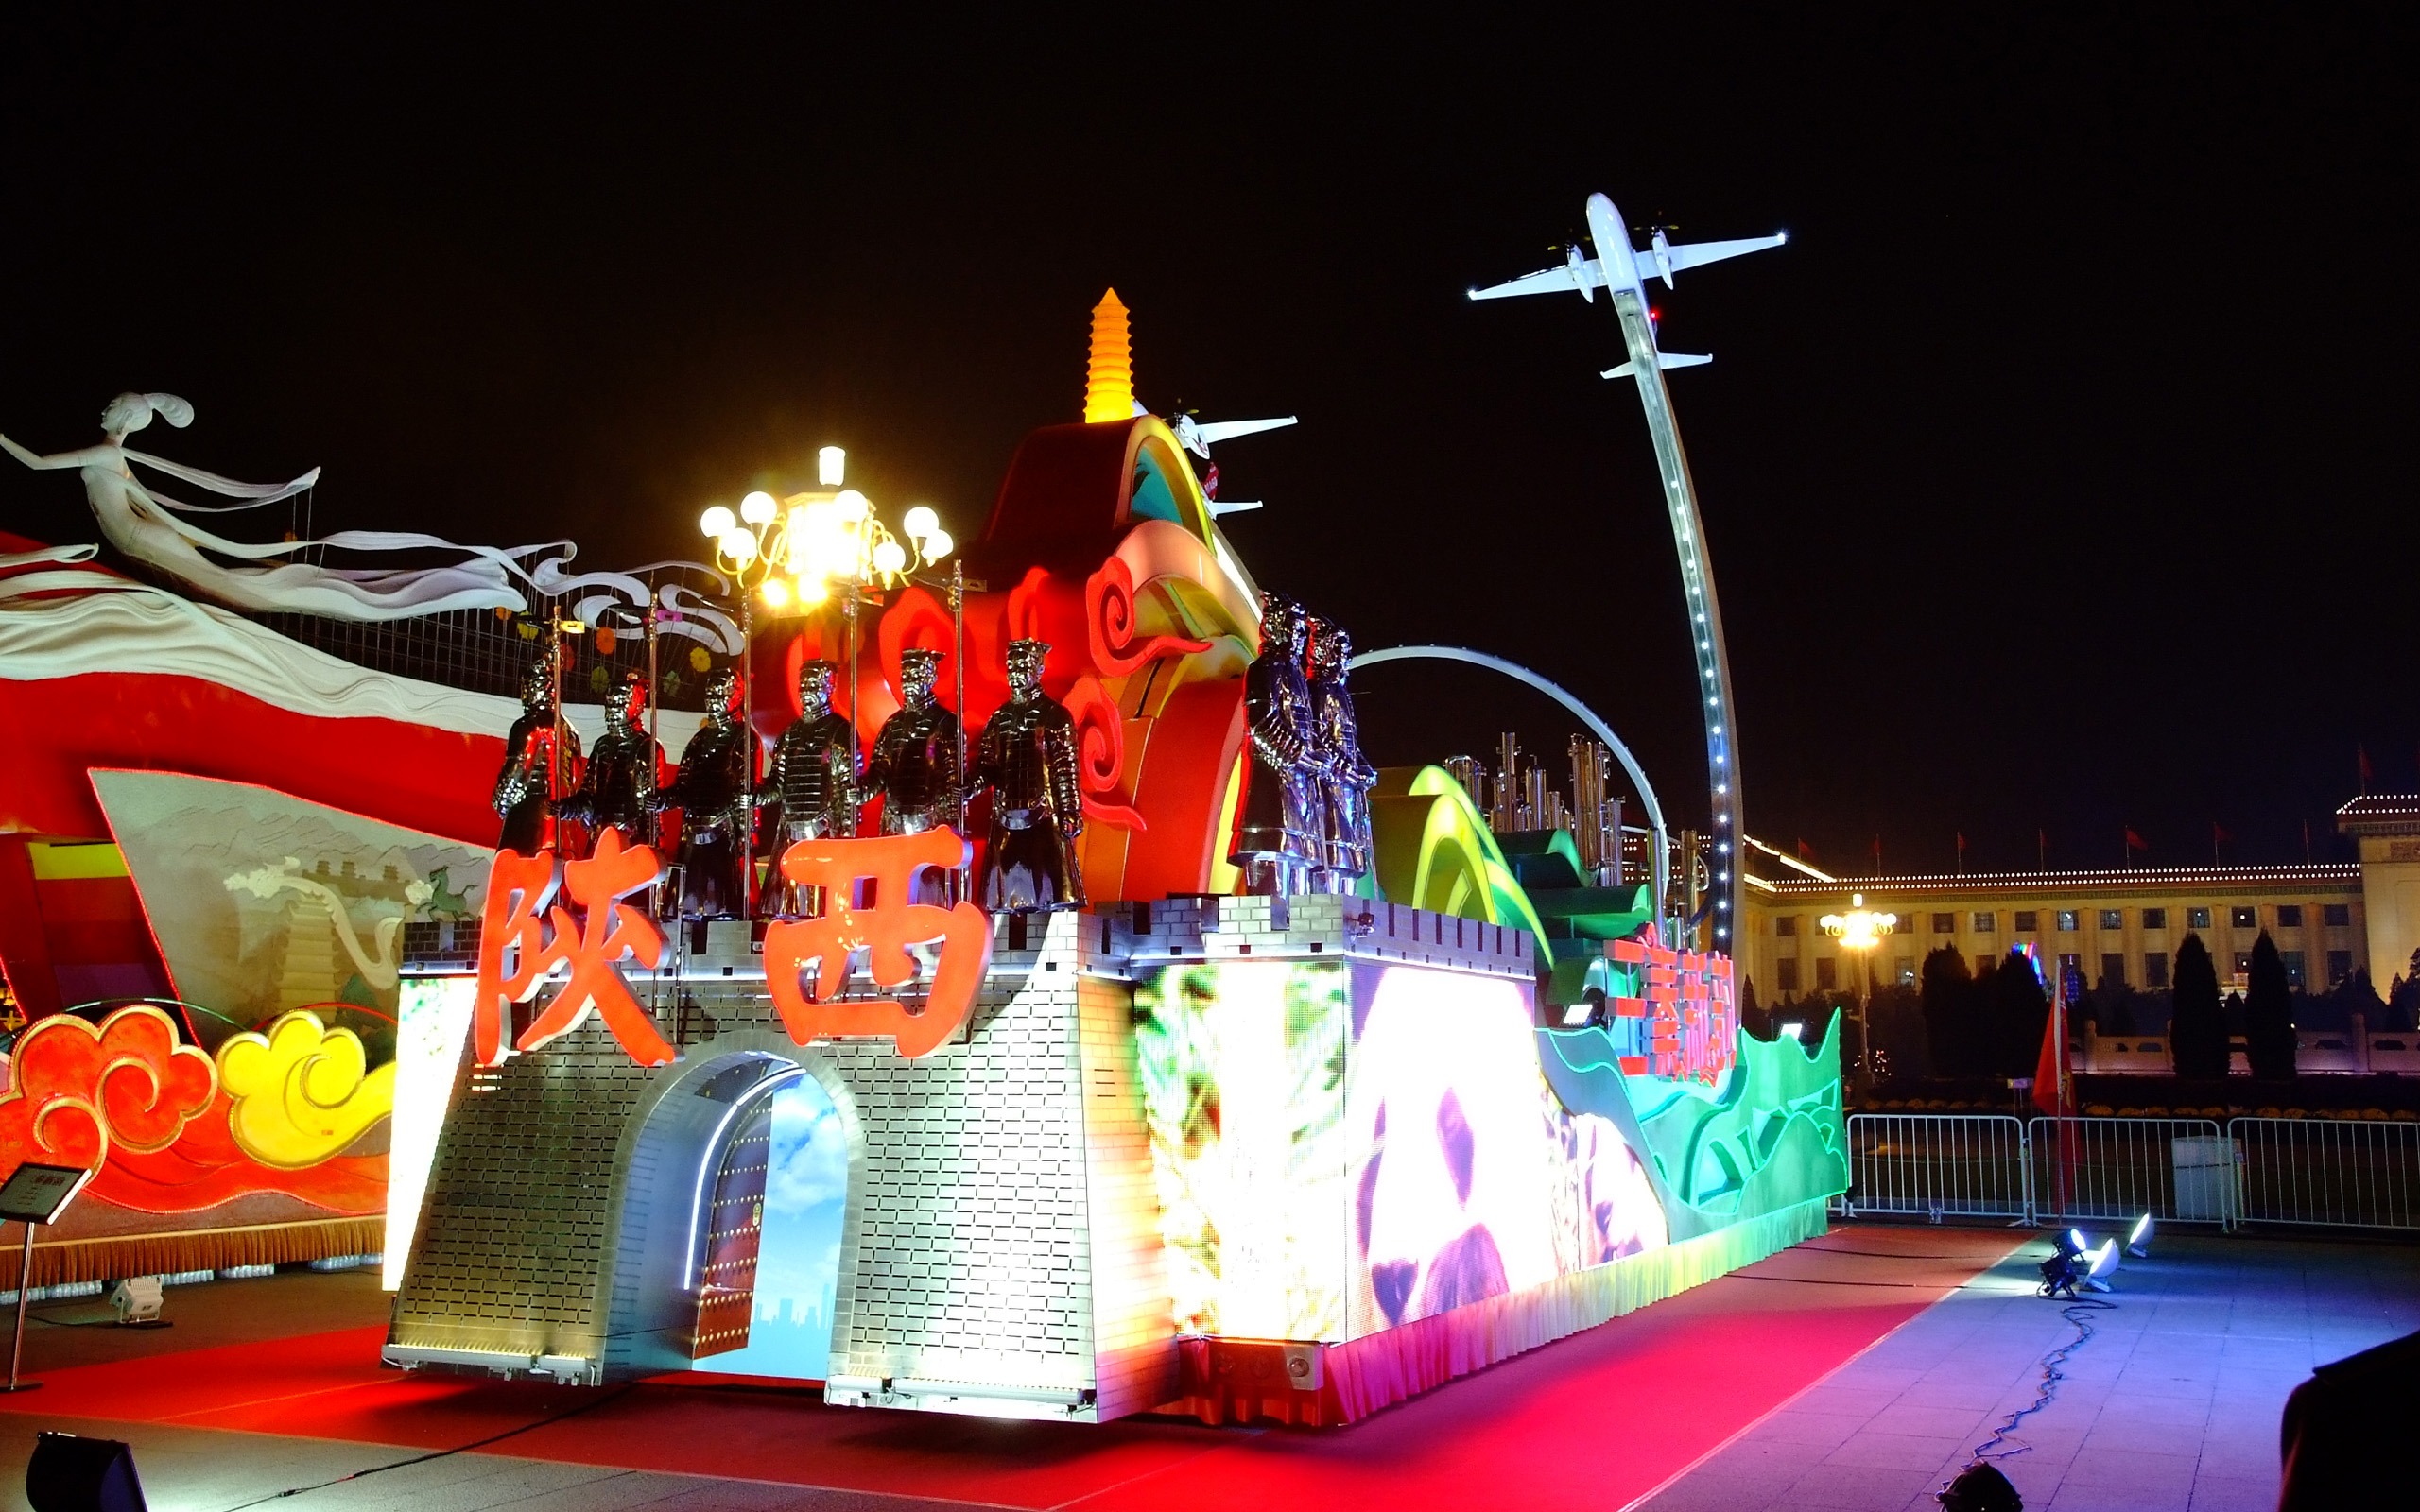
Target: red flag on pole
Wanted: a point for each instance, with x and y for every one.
(2042, 847)
(2134, 842)
(1805, 851)
(2051, 1090)
(2361, 755)
(1878, 855)
(1962, 850)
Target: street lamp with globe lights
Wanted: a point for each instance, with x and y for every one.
(797, 554)
(1861, 930)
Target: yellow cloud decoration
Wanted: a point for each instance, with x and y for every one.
(300, 1090)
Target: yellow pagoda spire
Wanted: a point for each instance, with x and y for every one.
(1109, 378)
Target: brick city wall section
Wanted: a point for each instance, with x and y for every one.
(972, 1258)
(521, 1205)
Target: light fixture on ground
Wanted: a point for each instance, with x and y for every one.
(2067, 1268)
(2139, 1242)
(1858, 932)
(2104, 1264)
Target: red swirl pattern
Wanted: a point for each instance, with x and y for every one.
(75, 1091)
(1110, 624)
(1100, 754)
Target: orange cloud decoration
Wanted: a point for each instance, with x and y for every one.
(75, 1091)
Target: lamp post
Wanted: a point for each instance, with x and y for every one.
(803, 551)
(1861, 930)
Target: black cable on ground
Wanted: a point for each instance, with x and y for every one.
(2051, 1376)
(615, 1395)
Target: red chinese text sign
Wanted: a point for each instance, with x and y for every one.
(524, 938)
(884, 931)
(1692, 1018)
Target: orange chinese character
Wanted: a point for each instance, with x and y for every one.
(613, 932)
(515, 954)
(884, 931)
(522, 939)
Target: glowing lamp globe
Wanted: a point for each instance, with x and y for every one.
(831, 466)
(920, 521)
(739, 546)
(757, 508)
(1858, 930)
(850, 506)
(888, 556)
(777, 593)
(718, 523)
(937, 543)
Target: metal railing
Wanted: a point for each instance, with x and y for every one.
(2175, 1169)
(2333, 1173)
(2328, 1172)
(1970, 1165)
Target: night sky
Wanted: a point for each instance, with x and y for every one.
(2057, 476)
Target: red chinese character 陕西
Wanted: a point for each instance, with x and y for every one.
(884, 931)
(522, 939)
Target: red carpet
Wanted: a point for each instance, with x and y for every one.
(1598, 1419)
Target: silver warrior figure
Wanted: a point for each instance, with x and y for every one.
(1275, 825)
(914, 761)
(1028, 760)
(718, 816)
(618, 790)
(1345, 775)
(538, 750)
(814, 778)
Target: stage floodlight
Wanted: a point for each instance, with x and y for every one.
(2139, 1243)
(2104, 1264)
(2076, 1245)
(2067, 1268)
(136, 1300)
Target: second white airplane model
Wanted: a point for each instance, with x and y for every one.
(1619, 266)
(1199, 436)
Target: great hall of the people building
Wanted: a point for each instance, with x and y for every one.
(2327, 919)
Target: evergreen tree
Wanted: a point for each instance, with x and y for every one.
(1946, 995)
(2197, 1037)
(2269, 1014)
(2020, 1014)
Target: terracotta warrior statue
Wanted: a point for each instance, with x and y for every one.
(718, 810)
(1345, 776)
(914, 761)
(619, 787)
(814, 780)
(1276, 823)
(1028, 760)
(540, 751)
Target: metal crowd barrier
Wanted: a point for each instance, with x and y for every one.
(2332, 1173)
(2116, 1169)
(1968, 1166)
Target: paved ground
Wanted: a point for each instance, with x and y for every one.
(2173, 1403)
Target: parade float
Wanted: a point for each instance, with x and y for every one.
(983, 979)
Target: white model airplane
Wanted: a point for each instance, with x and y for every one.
(1617, 265)
(1199, 436)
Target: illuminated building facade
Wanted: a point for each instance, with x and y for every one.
(2118, 926)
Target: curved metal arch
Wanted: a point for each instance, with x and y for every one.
(1659, 850)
